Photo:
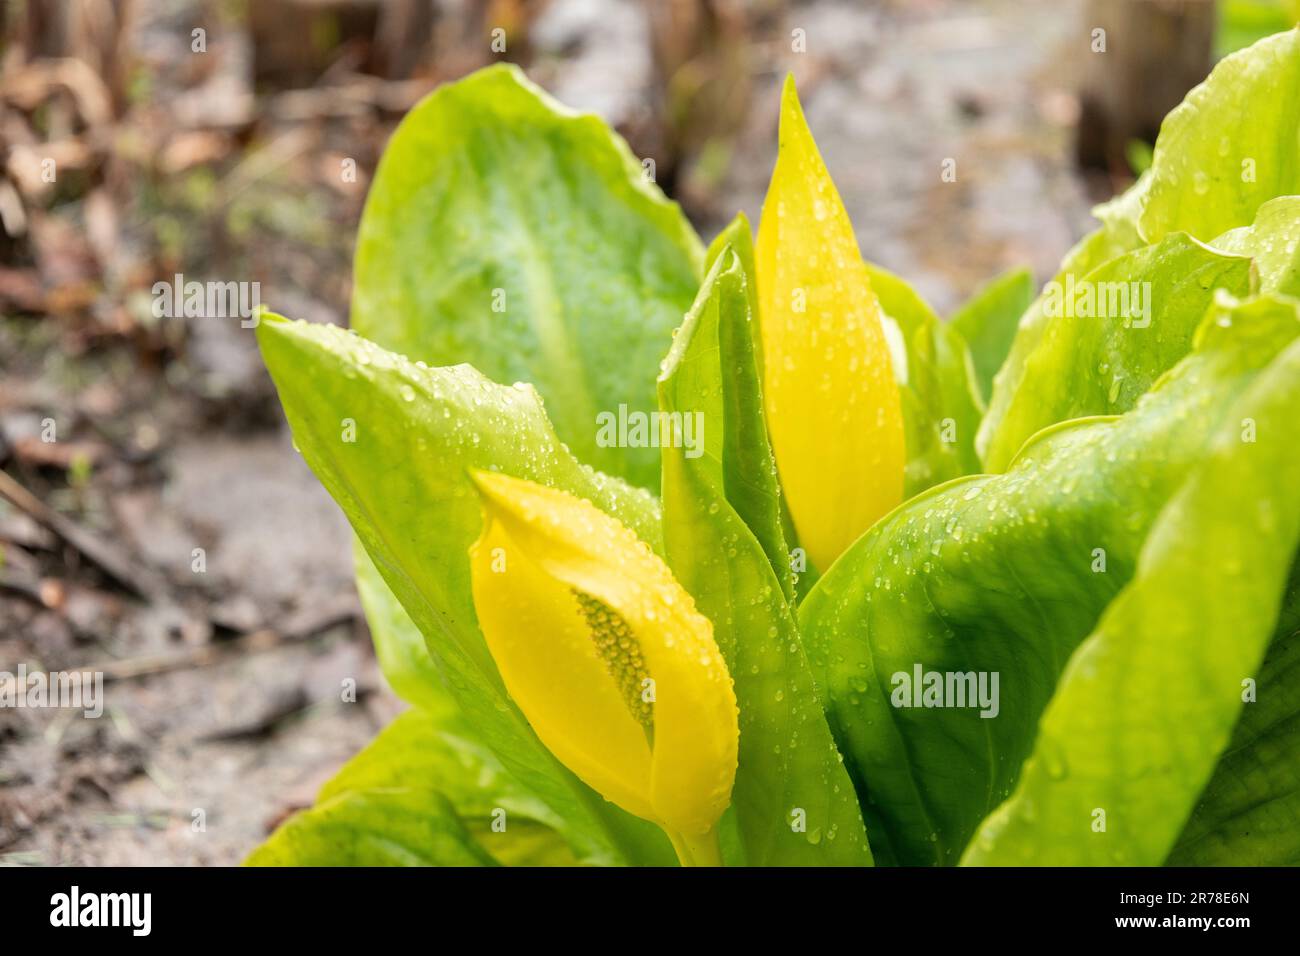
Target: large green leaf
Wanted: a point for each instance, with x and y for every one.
(988, 321)
(794, 803)
(1232, 145)
(509, 232)
(1149, 700)
(391, 441)
(1249, 812)
(936, 381)
(1099, 354)
(1007, 574)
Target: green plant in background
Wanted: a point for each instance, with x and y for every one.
(1019, 587)
(1243, 22)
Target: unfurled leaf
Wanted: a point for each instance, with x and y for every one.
(509, 232)
(399, 645)
(749, 468)
(793, 802)
(360, 416)
(832, 403)
(740, 240)
(1005, 575)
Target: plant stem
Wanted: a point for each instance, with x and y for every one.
(700, 850)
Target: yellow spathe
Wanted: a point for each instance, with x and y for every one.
(833, 408)
(606, 655)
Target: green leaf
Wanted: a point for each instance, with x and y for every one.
(738, 237)
(367, 814)
(749, 467)
(1099, 358)
(1273, 242)
(1116, 236)
(936, 380)
(422, 750)
(1007, 574)
(1150, 699)
(374, 828)
(509, 232)
(988, 323)
(1230, 146)
(392, 441)
(1249, 812)
(793, 801)
(1225, 151)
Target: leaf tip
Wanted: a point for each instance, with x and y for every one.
(792, 118)
(271, 329)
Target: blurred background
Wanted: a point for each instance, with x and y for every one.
(155, 522)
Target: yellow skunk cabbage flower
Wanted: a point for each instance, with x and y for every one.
(833, 408)
(607, 657)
